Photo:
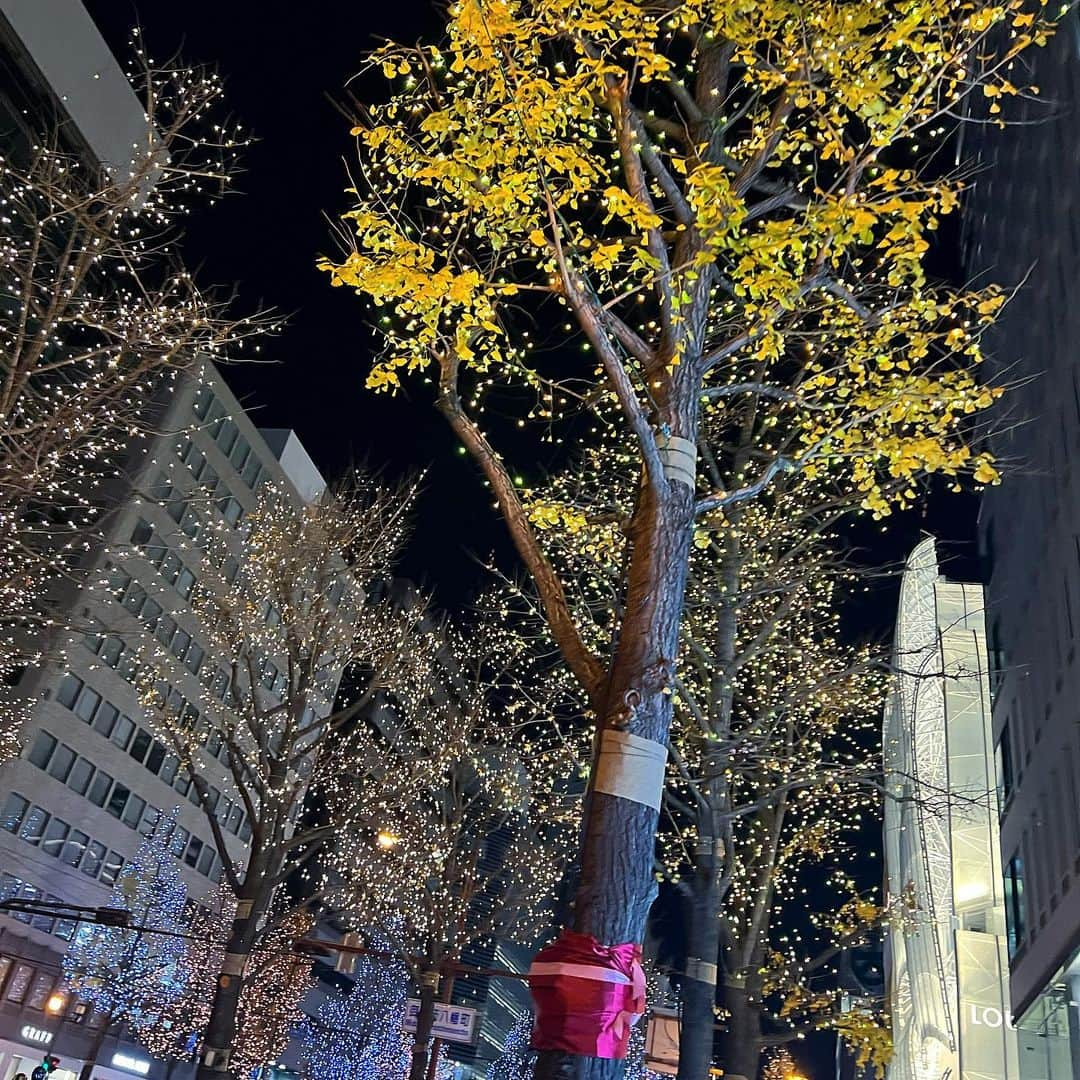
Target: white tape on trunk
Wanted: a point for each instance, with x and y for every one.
(701, 971)
(630, 767)
(679, 457)
(233, 964)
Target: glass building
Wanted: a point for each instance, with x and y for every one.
(946, 950)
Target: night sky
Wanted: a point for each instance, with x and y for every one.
(280, 62)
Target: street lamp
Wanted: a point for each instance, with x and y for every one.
(56, 1003)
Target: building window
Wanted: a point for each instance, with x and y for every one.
(1015, 911)
(14, 811)
(75, 847)
(42, 750)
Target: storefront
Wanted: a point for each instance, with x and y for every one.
(25, 1056)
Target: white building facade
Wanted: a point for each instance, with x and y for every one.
(947, 959)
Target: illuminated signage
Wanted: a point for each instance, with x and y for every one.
(36, 1035)
(131, 1064)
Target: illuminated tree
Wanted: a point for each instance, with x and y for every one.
(774, 751)
(98, 317)
(171, 1030)
(516, 1060)
(284, 604)
(126, 971)
(358, 1035)
(719, 203)
(468, 792)
(275, 981)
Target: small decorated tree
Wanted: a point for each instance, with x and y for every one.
(126, 973)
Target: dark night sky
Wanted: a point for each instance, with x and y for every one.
(280, 60)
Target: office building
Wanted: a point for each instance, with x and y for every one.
(946, 958)
(1022, 229)
(93, 779)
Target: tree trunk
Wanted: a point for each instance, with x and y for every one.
(422, 1043)
(95, 1051)
(221, 1026)
(617, 885)
(697, 991)
(740, 1035)
(445, 996)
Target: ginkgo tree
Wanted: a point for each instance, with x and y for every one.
(716, 200)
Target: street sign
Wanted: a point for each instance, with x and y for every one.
(453, 1023)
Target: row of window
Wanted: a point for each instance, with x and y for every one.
(30, 987)
(168, 564)
(205, 475)
(13, 888)
(223, 430)
(63, 764)
(151, 753)
(38, 828)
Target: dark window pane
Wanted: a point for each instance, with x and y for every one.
(42, 750)
(155, 757)
(61, 762)
(252, 473)
(34, 825)
(151, 612)
(75, 847)
(41, 987)
(151, 816)
(92, 860)
(99, 789)
(133, 812)
(114, 863)
(140, 744)
(182, 783)
(117, 800)
(169, 767)
(194, 850)
(185, 582)
(87, 704)
(111, 651)
(195, 656)
(142, 532)
(123, 731)
(206, 860)
(79, 777)
(234, 819)
(19, 983)
(240, 453)
(67, 693)
(105, 719)
(15, 807)
(55, 835)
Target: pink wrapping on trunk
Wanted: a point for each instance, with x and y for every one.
(587, 996)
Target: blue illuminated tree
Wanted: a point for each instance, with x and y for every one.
(358, 1035)
(125, 972)
(517, 1059)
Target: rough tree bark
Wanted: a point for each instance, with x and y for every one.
(616, 886)
(221, 1027)
(422, 1042)
(740, 1035)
